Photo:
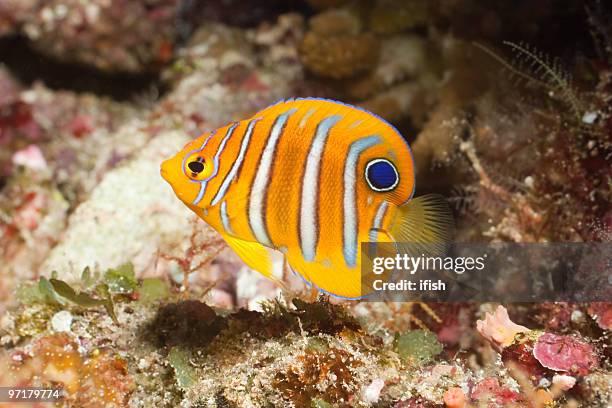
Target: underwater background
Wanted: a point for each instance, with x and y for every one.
(112, 289)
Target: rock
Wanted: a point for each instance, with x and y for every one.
(402, 58)
(110, 35)
(61, 321)
(335, 22)
(393, 16)
(131, 204)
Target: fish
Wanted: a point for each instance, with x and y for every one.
(312, 178)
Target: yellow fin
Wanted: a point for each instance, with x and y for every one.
(253, 254)
(331, 277)
(424, 220)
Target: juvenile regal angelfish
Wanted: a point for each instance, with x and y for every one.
(312, 178)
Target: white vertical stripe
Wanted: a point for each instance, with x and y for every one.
(234, 170)
(220, 149)
(378, 218)
(349, 241)
(355, 124)
(309, 219)
(306, 117)
(225, 218)
(262, 177)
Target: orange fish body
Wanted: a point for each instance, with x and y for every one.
(312, 178)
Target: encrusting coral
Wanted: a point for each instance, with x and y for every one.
(298, 353)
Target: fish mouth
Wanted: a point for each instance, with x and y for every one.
(163, 170)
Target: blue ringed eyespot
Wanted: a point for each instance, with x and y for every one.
(381, 175)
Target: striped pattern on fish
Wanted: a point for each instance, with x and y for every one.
(311, 176)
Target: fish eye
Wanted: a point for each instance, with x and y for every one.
(197, 168)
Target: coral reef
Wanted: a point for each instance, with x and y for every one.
(113, 291)
(110, 35)
(298, 354)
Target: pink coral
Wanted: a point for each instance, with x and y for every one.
(498, 329)
(455, 398)
(565, 353)
(563, 382)
(30, 157)
(29, 213)
(602, 313)
(490, 388)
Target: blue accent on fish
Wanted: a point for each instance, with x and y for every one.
(381, 175)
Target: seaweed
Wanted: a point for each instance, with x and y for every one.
(184, 373)
(86, 300)
(40, 292)
(94, 289)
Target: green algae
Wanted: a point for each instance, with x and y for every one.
(152, 289)
(184, 373)
(418, 346)
(121, 280)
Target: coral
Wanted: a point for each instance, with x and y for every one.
(303, 381)
(563, 381)
(371, 394)
(572, 149)
(455, 398)
(490, 388)
(338, 50)
(13, 12)
(30, 157)
(498, 329)
(150, 211)
(110, 288)
(340, 56)
(97, 379)
(104, 380)
(602, 313)
(596, 388)
(110, 35)
(403, 58)
(415, 402)
(565, 353)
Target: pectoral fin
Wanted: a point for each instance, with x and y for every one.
(425, 220)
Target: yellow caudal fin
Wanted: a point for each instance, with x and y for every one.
(424, 220)
(253, 254)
